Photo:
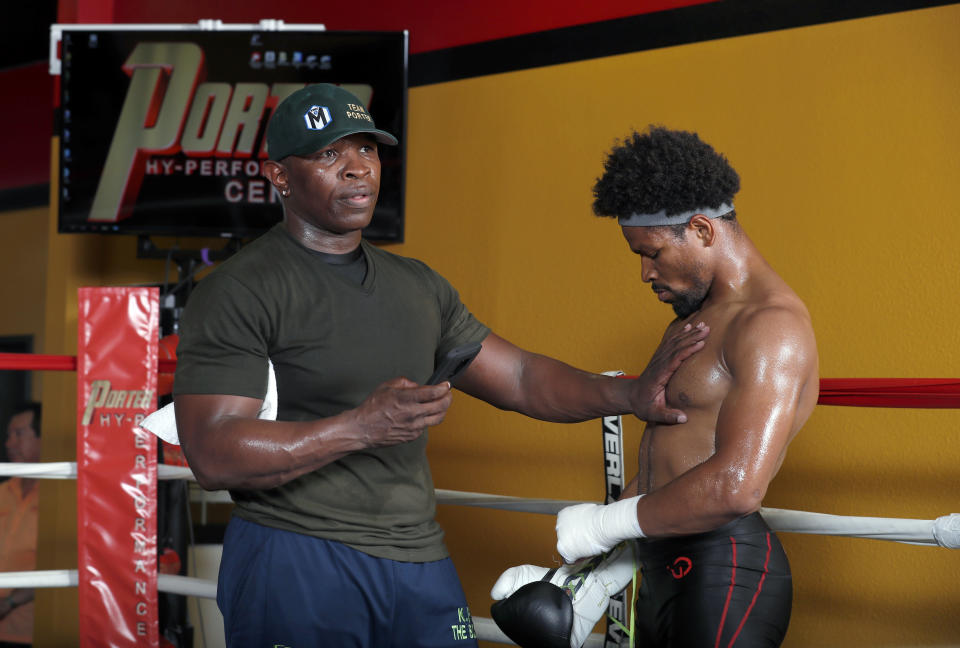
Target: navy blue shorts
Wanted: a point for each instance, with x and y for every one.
(288, 590)
(729, 587)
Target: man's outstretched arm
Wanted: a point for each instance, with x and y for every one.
(511, 378)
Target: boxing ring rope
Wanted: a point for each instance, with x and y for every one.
(169, 583)
(891, 529)
(864, 392)
(906, 530)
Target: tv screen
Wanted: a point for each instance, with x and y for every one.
(163, 131)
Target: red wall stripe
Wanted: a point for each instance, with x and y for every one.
(27, 116)
(432, 25)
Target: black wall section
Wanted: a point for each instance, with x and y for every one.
(25, 31)
(693, 24)
(24, 197)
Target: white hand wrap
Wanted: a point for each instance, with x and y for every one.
(590, 529)
(590, 584)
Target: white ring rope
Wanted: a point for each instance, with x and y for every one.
(36, 578)
(502, 502)
(485, 628)
(68, 470)
(51, 470)
(170, 583)
(943, 532)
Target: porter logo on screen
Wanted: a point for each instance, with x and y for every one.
(169, 110)
(317, 117)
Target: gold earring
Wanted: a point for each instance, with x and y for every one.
(285, 193)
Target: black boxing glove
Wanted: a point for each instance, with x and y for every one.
(557, 608)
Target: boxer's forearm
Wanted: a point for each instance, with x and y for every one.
(704, 498)
(700, 500)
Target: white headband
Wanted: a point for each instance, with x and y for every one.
(661, 218)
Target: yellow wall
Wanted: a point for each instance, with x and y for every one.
(845, 136)
(23, 266)
(846, 139)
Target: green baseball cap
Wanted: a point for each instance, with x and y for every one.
(315, 116)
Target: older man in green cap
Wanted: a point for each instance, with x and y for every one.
(333, 540)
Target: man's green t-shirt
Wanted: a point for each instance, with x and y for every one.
(332, 342)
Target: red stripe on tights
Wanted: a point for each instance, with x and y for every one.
(733, 581)
(766, 562)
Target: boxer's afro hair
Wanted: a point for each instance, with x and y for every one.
(663, 169)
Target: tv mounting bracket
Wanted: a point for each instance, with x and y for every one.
(207, 24)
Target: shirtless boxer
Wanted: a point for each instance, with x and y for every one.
(713, 574)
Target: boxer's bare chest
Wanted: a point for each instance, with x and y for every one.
(698, 388)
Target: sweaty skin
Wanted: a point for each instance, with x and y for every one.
(746, 394)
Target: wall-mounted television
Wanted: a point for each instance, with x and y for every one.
(162, 127)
